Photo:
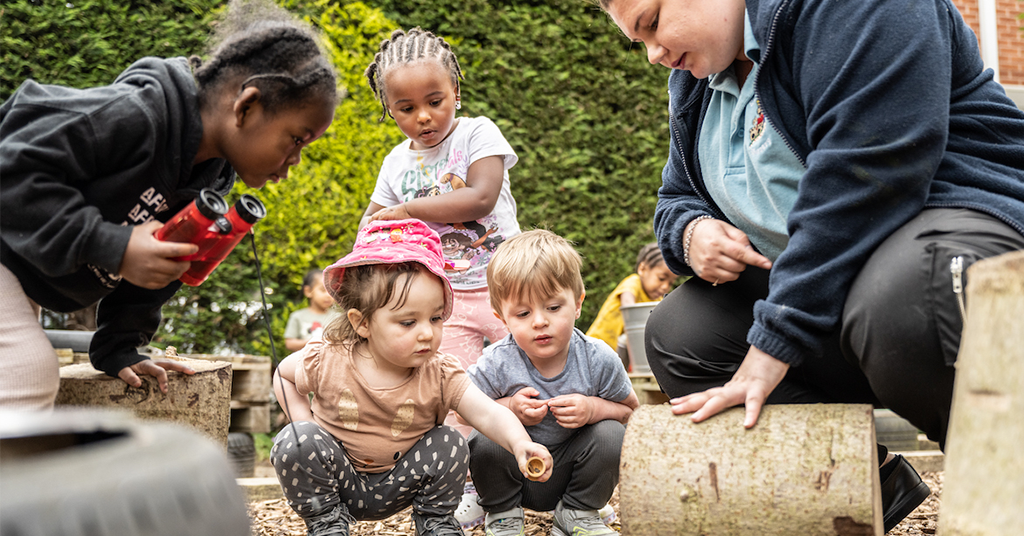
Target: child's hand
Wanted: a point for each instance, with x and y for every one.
(397, 212)
(526, 407)
(147, 261)
(529, 450)
(152, 367)
(572, 411)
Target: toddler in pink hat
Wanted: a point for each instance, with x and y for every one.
(392, 242)
(371, 440)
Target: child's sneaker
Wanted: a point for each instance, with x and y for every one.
(436, 525)
(567, 522)
(469, 513)
(334, 522)
(508, 523)
(607, 514)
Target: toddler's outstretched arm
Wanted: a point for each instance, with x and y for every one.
(499, 424)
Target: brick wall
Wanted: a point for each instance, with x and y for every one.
(1011, 37)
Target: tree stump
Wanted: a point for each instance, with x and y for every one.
(201, 401)
(803, 469)
(984, 481)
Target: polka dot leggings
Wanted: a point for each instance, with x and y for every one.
(316, 475)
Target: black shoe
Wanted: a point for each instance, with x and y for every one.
(902, 492)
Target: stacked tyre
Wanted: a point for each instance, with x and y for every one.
(103, 473)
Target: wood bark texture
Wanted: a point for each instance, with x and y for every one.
(201, 401)
(984, 481)
(803, 469)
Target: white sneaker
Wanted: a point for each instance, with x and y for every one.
(469, 513)
(607, 514)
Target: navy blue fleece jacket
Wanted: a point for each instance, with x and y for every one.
(888, 104)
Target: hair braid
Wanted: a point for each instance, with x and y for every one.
(404, 48)
(650, 256)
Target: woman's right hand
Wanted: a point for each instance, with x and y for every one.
(719, 251)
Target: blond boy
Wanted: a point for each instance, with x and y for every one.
(570, 391)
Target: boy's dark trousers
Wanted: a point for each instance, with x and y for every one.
(316, 475)
(585, 474)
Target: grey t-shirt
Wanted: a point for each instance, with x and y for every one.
(592, 369)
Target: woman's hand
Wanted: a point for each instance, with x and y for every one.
(756, 378)
(719, 252)
(152, 367)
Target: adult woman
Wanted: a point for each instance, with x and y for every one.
(829, 163)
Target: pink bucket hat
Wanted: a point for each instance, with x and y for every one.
(393, 242)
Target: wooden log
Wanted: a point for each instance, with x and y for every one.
(984, 482)
(201, 401)
(803, 469)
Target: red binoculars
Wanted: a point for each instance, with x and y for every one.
(216, 228)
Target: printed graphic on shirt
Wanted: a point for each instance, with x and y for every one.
(474, 241)
(348, 410)
(757, 128)
(403, 418)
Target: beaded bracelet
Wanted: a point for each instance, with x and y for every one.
(689, 236)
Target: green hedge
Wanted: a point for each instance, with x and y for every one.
(579, 103)
(84, 43)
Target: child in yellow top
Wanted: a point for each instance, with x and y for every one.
(651, 281)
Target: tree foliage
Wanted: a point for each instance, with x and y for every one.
(585, 112)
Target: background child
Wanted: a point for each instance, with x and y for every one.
(372, 441)
(569, 390)
(88, 175)
(453, 174)
(651, 282)
(305, 321)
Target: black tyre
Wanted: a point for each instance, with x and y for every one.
(100, 473)
(242, 452)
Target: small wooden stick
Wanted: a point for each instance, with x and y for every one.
(535, 467)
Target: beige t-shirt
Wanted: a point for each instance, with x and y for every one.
(377, 426)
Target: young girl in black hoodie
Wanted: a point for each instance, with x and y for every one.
(88, 175)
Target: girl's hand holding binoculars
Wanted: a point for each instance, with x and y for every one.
(148, 262)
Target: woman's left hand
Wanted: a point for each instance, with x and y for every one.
(756, 378)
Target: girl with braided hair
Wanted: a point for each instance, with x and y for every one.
(88, 175)
(452, 173)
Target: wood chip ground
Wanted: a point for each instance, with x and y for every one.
(276, 518)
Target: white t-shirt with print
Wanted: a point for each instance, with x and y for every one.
(408, 174)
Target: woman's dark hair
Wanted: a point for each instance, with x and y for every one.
(403, 48)
(260, 44)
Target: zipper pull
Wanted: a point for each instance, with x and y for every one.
(956, 267)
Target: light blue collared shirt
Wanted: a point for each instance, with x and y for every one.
(749, 171)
